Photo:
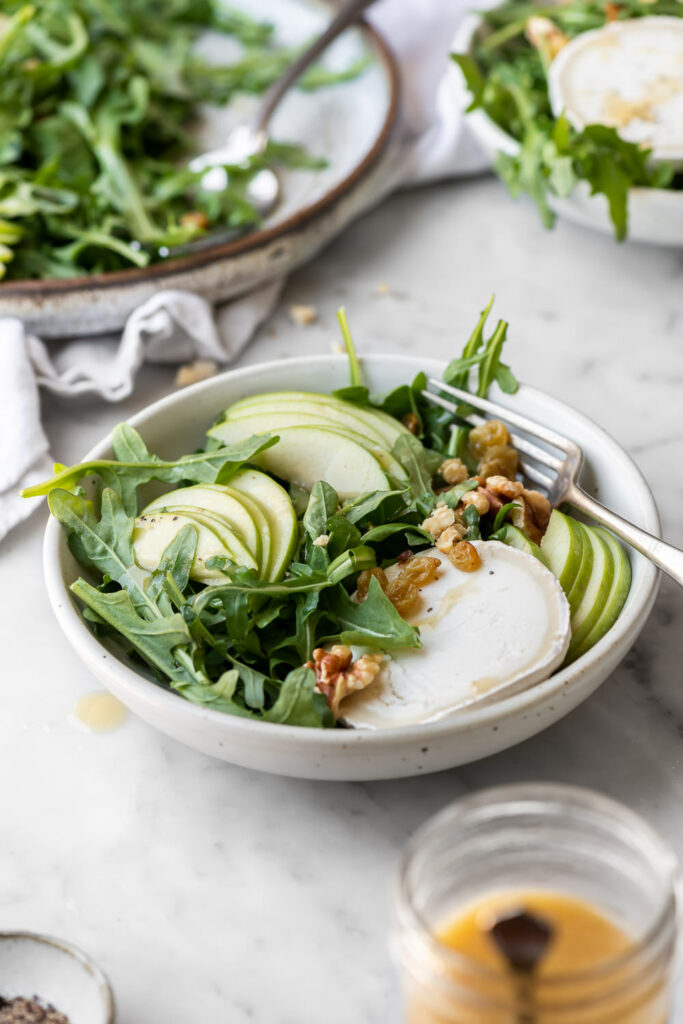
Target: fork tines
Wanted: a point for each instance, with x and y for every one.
(526, 447)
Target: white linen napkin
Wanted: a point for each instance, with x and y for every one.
(177, 326)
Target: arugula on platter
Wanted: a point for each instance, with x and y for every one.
(100, 103)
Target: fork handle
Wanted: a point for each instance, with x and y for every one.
(666, 556)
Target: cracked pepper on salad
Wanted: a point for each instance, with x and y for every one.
(352, 559)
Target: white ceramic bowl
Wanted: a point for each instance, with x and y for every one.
(655, 216)
(177, 423)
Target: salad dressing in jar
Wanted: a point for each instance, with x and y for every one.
(537, 904)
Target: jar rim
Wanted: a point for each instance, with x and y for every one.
(538, 793)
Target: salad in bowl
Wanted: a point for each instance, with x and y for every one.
(351, 561)
(579, 105)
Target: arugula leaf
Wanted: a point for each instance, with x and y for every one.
(135, 465)
(176, 562)
(354, 365)
(322, 505)
(343, 535)
(379, 533)
(156, 640)
(107, 543)
(219, 695)
(374, 622)
(299, 703)
(471, 518)
(502, 514)
(380, 505)
(419, 463)
(453, 496)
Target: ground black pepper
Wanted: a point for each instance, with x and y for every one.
(29, 1011)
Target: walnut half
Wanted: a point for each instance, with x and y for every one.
(337, 675)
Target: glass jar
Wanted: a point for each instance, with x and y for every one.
(552, 838)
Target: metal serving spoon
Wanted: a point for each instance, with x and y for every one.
(251, 139)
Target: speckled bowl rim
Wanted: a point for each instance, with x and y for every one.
(41, 288)
(624, 631)
(86, 961)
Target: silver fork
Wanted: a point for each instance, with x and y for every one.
(562, 486)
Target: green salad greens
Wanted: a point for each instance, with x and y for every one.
(241, 644)
(99, 98)
(507, 76)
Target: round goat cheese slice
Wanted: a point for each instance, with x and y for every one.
(485, 634)
(627, 75)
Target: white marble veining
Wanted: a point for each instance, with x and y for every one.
(214, 894)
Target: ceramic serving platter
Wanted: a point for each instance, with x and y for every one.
(177, 423)
(349, 125)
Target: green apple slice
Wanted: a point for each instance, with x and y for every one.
(583, 574)
(153, 533)
(219, 502)
(277, 507)
(305, 455)
(595, 596)
(267, 421)
(516, 538)
(381, 422)
(562, 546)
(621, 585)
(342, 417)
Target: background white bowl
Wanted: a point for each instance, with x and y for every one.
(177, 424)
(655, 215)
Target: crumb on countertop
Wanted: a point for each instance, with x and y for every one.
(382, 289)
(192, 373)
(303, 315)
(337, 349)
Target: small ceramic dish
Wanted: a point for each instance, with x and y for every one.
(58, 974)
(655, 216)
(178, 423)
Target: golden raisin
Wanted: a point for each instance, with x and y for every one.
(499, 460)
(486, 436)
(411, 421)
(465, 557)
(402, 594)
(420, 571)
(363, 585)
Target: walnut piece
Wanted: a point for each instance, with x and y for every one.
(322, 541)
(337, 675)
(453, 471)
(192, 373)
(303, 315)
(544, 34)
(450, 537)
(504, 488)
(441, 518)
(478, 499)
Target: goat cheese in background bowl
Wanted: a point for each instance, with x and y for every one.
(626, 75)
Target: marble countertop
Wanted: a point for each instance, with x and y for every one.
(211, 893)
